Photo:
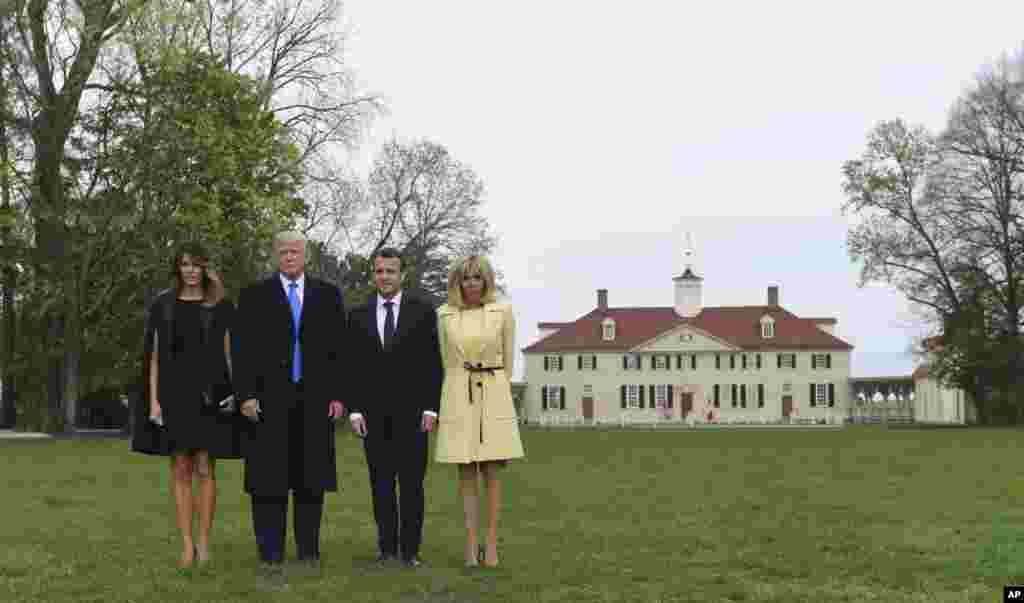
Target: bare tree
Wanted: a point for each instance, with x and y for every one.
(427, 204)
(904, 236)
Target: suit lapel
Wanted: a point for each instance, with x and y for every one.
(307, 295)
(405, 319)
(371, 319)
(280, 297)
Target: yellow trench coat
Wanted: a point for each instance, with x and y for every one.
(484, 428)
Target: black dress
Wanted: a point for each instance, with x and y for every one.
(191, 360)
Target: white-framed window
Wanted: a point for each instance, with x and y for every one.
(821, 361)
(588, 390)
(767, 327)
(608, 329)
(587, 362)
(660, 396)
(631, 361)
(787, 361)
(633, 396)
(553, 363)
(552, 397)
(820, 393)
(661, 362)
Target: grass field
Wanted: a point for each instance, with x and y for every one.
(862, 514)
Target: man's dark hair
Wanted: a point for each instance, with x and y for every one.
(390, 252)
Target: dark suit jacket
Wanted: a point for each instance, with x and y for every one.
(404, 381)
(263, 371)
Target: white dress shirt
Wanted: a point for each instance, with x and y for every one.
(300, 290)
(382, 314)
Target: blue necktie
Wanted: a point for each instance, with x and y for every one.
(293, 300)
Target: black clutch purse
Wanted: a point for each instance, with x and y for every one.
(224, 405)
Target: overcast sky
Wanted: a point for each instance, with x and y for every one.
(604, 131)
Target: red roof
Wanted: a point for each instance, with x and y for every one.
(552, 325)
(736, 325)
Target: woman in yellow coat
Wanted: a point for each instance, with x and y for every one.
(477, 428)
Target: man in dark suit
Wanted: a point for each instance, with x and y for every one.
(394, 340)
(290, 331)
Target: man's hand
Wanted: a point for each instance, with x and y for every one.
(335, 410)
(249, 409)
(429, 421)
(358, 425)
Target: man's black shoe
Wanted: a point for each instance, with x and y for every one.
(383, 558)
(412, 562)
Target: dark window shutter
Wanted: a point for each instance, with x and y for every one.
(760, 395)
(547, 362)
(831, 394)
(669, 395)
(732, 361)
(744, 361)
(561, 363)
(623, 389)
(641, 393)
(679, 361)
(561, 398)
(718, 391)
(668, 362)
(718, 362)
(778, 360)
(813, 403)
(733, 398)
(593, 361)
(828, 361)
(757, 361)
(579, 362)
(653, 397)
(743, 395)
(544, 397)
(625, 362)
(693, 361)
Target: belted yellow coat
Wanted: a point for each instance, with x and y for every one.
(477, 419)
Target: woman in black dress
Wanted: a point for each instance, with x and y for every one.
(186, 372)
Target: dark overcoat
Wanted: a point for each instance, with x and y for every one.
(264, 337)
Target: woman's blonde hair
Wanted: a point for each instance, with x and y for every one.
(459, 269)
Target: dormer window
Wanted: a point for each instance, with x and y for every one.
(608, 329)
(767, 327)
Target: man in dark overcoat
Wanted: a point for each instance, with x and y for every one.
(290, 333)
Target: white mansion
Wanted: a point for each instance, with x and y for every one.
(688, 362)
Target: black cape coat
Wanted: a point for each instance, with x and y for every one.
(263, 330)
(220, 433)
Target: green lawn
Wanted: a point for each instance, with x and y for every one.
(862, 514)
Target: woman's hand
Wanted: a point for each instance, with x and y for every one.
(156, 414)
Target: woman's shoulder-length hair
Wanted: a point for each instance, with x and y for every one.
(459, 269)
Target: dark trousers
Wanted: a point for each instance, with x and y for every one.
(270, 513)
(396, 451)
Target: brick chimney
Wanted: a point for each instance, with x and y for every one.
(602, 299)
(773, 295)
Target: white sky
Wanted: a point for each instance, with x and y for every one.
(604, 131)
